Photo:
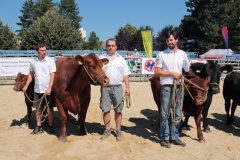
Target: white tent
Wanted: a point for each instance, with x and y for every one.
(217, 53)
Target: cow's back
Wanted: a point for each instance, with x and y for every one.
(231, 87)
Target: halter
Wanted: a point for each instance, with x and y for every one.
(95, 81)
(206, 90)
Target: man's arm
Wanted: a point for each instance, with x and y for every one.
(126, 81)
(29, 80)
(49, 89)
(161, 72)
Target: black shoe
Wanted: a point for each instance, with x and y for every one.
(51, 130)
(37, 130)
(165, 143)
(178, 142)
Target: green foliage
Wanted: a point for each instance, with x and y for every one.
(69, 9)
(93, 42)
(7, 38)
(56, 32)
(205, 21)
(125, 37)
(41, 7)
(27, 18)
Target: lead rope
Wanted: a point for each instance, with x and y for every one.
(128, 100)
(45, 106)
(175, 99)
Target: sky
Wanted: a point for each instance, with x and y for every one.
(106, 17)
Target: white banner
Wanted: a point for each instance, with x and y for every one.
(148, 65)
(11, 66)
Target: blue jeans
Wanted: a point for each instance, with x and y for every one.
(166, 124)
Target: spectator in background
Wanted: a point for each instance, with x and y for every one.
(58, 55)
(135, 53)
(128, 55)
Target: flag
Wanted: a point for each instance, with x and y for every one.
(147, 42)
(225, 35)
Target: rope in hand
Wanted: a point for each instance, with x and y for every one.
(175, 100)
(46, 106)
(128, 100)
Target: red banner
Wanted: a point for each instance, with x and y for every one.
(225, 35)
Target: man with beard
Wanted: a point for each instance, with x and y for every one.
(168, 66)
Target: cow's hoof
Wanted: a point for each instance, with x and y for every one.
(201, 140)
(207, 130)
(185, 129)
(82, 133)
(61, 139)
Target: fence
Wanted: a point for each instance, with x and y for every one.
(135, 64)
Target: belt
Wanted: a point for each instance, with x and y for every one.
(171, 85)
(113, 85)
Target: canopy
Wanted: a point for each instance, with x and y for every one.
(217, 53)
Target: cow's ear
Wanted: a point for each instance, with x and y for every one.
(227, 68)
(105, 61)
(80, 59)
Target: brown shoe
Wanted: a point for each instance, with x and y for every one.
(119, 135)
(106, 134)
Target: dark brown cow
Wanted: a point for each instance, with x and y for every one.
(194, 100)
(72, 87)
(20, 81)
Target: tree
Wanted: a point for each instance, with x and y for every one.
(125, 37)
(207, 17)
(93, 42)
(69, 9)
(7, 38)
(56, 32)
(27, 18)
(41, 7)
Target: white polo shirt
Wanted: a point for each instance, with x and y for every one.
(42, 70)
(115, 69)
(170, 61)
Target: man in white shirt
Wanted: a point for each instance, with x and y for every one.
(168, 65)
(117, 71)
(42, 70)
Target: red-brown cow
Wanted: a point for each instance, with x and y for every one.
(192, 106)
(20, 81)
(72, 87)
(194, 98)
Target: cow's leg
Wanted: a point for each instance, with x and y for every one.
(184, 127)
(84, 103)
(199, 130)
(234, 106)
(63, 121)
(227, 108)
(206, 107)
(29, 112)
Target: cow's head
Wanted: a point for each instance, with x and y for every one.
(209, 69)
(198, 89)
(20, 81)
(94, 68)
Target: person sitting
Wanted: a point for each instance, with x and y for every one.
(128, 55)
(58, 55)
(135, 53)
